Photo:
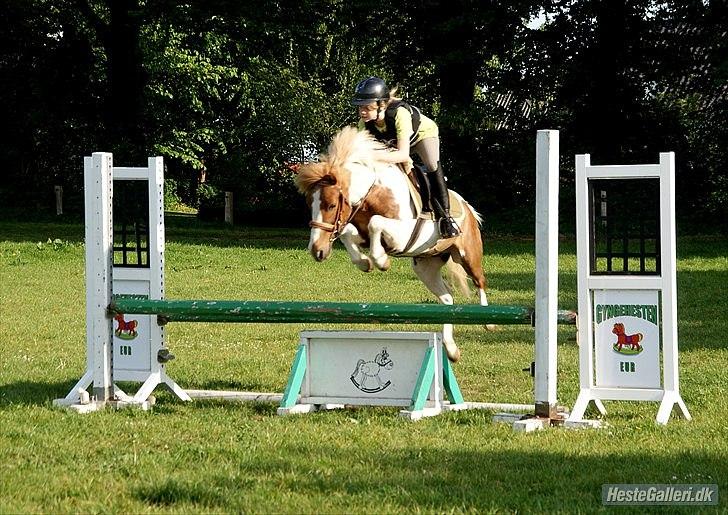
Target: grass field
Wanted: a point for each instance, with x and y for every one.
(227, 457)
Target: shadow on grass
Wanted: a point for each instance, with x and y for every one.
(31, 393)
(431, 479)
(39, 393)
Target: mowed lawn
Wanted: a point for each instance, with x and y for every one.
(211, 456)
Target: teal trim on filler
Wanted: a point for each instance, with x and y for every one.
(449, 382)
(424, 381)
(295, 379)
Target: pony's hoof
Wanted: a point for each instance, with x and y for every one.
(491, 327)
(453, 356)
(384, 265)
(365, 265)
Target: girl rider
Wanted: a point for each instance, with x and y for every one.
(402, 127)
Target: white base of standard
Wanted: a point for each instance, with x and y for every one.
(668, 399)
(78, 399)
(526, 423)
(93, 406)
(224, 395)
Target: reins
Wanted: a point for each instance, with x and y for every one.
(335, 228)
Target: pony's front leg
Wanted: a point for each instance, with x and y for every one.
(394, 233)
(377, 225)
(351, 240)
(428, 270)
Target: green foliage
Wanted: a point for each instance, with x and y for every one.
(238, 90)
(207, 192)
(172, 199)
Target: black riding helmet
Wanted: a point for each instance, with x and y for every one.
(372, 89)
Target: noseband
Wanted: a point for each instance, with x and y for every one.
(335, 228)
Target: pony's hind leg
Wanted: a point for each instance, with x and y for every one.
(468, 252)
(428, 270)
(470, 261)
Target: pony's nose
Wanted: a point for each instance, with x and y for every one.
(320, 252)
(316, 253)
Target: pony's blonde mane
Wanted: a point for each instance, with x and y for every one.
(349, 145)
(311, 175)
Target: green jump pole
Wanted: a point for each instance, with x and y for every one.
(321, 312)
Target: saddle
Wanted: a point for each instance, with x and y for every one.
(419, 188)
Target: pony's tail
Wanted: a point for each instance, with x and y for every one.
(457, 278)
(478, 217)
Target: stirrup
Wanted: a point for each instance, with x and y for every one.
(448, 227)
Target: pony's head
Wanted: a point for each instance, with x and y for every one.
(326, 186)
(618, 328)
(327, 193)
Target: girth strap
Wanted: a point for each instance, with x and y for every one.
(421, 219)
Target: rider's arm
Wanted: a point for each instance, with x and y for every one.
(403, 124)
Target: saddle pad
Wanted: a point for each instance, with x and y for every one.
(457, 210)
(415, 197)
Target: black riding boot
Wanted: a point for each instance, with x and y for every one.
(423, 182)
(441, 203)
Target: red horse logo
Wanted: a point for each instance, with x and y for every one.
(125, 328)
(633, 340)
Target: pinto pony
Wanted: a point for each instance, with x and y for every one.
(366, 203)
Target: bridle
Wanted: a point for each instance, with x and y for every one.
(335, 228)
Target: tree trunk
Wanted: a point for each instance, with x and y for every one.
(449, 42)
(609, 102)
(125, 107)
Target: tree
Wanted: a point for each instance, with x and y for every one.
(239, 89)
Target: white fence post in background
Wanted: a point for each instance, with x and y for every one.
(59, 199)
(229, 207)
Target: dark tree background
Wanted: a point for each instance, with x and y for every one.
(232, 91)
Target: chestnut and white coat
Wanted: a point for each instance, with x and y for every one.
(366, 203)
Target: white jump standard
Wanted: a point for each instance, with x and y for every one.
(135, 351)
(627, 286)
(126, 311)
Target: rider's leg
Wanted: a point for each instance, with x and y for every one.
(441, 203)
(424, 186)
(429, 151)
